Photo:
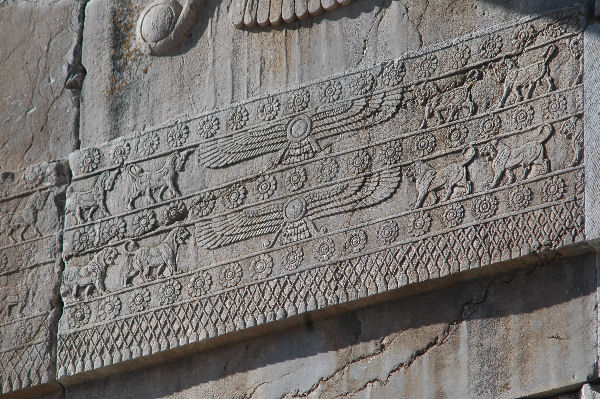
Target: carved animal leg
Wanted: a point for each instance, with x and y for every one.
(497, 177)
(23, 230)
(79, 215)
(507, 91)
(449, 191)
(37, 231)
(468, 188)
(420, 200)
(550, 82)
(577, 154)
(519, 91)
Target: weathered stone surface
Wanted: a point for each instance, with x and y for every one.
(453, 158)
(513, 335)
(37, 113)
(31, 203)
(218, 65)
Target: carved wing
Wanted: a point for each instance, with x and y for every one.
(249, 13)
(238, 226)
(237, 147)
(358, 193)
(331, 120)
(356, 114)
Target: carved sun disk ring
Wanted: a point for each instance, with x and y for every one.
(299, 128)
(159, 20)
(294, 209)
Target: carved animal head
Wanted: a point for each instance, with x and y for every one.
(510, 63)
(469, 152)
(181, 235)
(108, 180)
(134, 170)
(110, 256)
(180, 159)
(473, 76)
(425, 92)
(489, 150)
(568, 127)
(409, 172)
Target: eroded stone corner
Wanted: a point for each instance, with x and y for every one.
(31, 219)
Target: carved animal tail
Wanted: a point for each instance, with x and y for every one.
(545, 133)
(131, 247)
(550, 52)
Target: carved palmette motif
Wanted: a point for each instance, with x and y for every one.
(29, 226)
(440, 161)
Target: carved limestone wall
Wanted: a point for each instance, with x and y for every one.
(30, 248)
(456, 157)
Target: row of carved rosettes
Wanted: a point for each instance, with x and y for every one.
(403, 73)
(528, 122)
(513, 202)
(29, 252)
(335, 191)
(201, 305)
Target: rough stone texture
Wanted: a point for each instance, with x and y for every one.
(449, 159)
(591, 127)
(37, 113)
(513, 335)
(31, 203)
(219, 65)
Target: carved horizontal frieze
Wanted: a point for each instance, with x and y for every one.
(30, 225)
(466, 154)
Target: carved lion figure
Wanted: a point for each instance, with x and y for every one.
(143, 261)
(447, 105)
(428, 180)
(91, 277)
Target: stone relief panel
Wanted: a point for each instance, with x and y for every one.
(29, 273)
(453, 158)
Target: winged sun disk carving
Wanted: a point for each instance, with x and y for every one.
(294, 220)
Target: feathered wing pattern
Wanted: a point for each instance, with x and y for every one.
(360, 113)
(249, 13)
(239, 226)
(351, 115)
(358, 193)
(237, 147)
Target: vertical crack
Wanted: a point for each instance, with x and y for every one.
(76, 71)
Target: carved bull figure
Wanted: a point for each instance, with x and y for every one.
(529, 77)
